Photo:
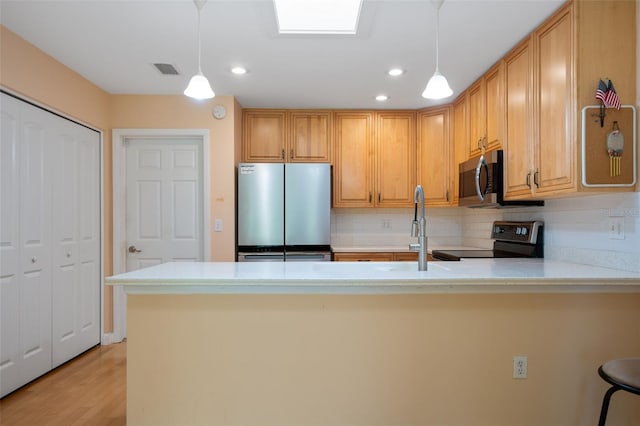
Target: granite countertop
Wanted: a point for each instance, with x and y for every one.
(466, 276)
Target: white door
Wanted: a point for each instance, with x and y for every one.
(25, 242)
(164, 207)
(76, 240)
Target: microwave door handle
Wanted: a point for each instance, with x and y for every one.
(481, 163)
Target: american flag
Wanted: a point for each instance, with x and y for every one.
(611, 98)
(601, 91)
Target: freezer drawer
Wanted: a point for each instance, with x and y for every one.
(260, 257)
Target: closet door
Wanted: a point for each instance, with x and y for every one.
(76, 240)
(25, 245)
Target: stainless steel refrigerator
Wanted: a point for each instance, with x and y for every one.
(284, 212)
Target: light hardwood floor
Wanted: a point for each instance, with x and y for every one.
(89, 390)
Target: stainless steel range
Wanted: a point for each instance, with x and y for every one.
(511, 239)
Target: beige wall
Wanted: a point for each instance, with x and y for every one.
(30, 73)
(180, 112)
(377, 360)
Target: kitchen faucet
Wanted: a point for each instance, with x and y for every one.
(419, 229)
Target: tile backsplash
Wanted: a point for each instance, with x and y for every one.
(576, 229)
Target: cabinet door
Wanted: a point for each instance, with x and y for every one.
(435, 156)
(353, 174)
(310, 137)
(460, 137)
(555, 155)
(517, 165)
(494, 106)
(408, 256)
(264, 136)
(363, 257)
(477, 132)
(395, 159)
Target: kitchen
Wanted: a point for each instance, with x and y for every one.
(574, 225)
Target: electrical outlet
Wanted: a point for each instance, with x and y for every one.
(616, 228)
(519, 367)
(217, 225)
(385, 224)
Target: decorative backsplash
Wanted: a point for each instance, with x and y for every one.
(576, 229)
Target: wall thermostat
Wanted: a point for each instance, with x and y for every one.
(219, 112)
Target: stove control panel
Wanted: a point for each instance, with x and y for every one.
(525, 232)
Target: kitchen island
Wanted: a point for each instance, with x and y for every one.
(376, 343)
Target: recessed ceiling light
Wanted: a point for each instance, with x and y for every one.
(381, 98)
(317, 16)
(239, 70)
(394, 72)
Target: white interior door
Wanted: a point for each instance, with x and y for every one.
(164, 201)
(25, 242)
(76, 240)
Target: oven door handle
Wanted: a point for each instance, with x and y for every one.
(482, 162)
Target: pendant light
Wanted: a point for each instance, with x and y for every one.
(437, 87)
(199, 87)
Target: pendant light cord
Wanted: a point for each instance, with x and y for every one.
(438, 37)
(199, 42)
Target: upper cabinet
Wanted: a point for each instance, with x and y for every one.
(486, 111)
(395, 154)
(353, 164)
(286, 136)
(374, 159)
(264, 134)
(435, 156)
(310, 137)
(550, 77)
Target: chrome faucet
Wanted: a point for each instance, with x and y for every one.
(419, 229)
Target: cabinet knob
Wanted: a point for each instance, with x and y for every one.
(291, 154)
(379, 197)
(535, 178)
(283, 153)
(68, 254)
(370, 196)
(529, 179)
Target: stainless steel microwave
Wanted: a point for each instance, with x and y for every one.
(481, 183)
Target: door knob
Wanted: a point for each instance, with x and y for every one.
(133, 249)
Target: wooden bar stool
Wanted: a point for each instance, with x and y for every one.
(621, 374)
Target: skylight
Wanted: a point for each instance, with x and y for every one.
(317, 16)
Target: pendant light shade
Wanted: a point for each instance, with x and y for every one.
(199, 87)
(437, 87)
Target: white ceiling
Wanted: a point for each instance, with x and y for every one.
(114, 43)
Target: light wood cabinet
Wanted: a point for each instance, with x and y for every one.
(541, 144)
(550, 77)
(435, 156)
(408, 256)
(310, 137)
(460, 137)
(286, 136)
(353, 162)
(374, 159)
(395, 155)
(486, 111)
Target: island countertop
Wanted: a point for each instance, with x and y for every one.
(467, 276)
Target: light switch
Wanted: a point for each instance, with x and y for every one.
(217, 225)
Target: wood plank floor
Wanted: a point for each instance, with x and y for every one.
(89, 390)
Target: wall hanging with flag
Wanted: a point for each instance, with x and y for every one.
(608, 98)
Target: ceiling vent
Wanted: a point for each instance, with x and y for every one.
(166, 69)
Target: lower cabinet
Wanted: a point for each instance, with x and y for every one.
(49, 241)
(375, 256)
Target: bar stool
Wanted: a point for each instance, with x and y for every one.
(622, 374)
